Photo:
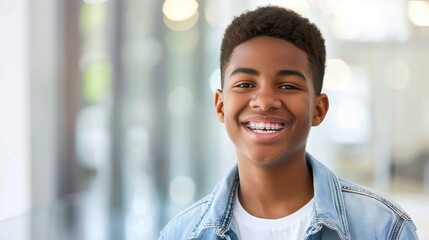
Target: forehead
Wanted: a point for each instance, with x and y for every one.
(267, 54)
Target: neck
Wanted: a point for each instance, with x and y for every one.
(275, 192)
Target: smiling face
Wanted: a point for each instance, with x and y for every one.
(268, 103)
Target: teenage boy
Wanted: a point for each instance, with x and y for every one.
(272, 67)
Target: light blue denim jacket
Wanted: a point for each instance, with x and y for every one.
(342, 210)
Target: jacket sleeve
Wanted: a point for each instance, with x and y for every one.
(408, 231)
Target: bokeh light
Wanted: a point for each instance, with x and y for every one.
(181, 25)
(97, 76)
(215, 80)
(418, 12)
(181, 100)
(179, 10)
(337, 74)
(182, 190)
(212, 9)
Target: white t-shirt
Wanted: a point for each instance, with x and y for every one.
(289, 227)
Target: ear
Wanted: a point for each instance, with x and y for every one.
(320, 110)
(219, 104)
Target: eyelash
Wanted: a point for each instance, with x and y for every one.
(244, 85)
(288, 87)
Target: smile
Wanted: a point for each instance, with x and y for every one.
(264, 127)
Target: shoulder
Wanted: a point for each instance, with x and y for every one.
(182, 225)
(353, 192)
(372, 213)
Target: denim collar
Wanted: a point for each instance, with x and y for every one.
(329, 205)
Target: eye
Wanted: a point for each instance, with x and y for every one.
(288, 87)
(244, 85)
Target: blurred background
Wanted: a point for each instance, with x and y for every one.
(107, 124)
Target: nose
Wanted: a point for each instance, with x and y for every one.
(265, 99)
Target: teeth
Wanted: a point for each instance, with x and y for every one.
(265, 127)
(264, 131)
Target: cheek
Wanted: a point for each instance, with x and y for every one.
(233, 105)
(232, 111)
(302, 108)
(230, 120)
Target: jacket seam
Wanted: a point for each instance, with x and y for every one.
(399, 223)
(229, 213)
(399, 213)
(333, 227)
(342, 215)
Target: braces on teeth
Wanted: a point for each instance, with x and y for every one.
(265, 128)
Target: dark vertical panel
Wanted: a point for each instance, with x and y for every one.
(69, 96)
(116, 184)
(69, 174)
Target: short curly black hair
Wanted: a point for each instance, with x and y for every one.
(278, 22)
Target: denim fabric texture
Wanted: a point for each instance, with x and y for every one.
(342, 210)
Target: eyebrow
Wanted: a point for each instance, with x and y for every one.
(283, 72)
(249, 71)
(291, 73)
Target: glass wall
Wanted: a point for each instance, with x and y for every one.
(121, 130)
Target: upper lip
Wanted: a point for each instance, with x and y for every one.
(259, 118)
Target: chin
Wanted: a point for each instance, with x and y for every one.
(262, 160)
(269, 157)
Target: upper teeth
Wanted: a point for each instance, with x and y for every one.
(265, 125)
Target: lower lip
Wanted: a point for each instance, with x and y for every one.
(264, 137)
